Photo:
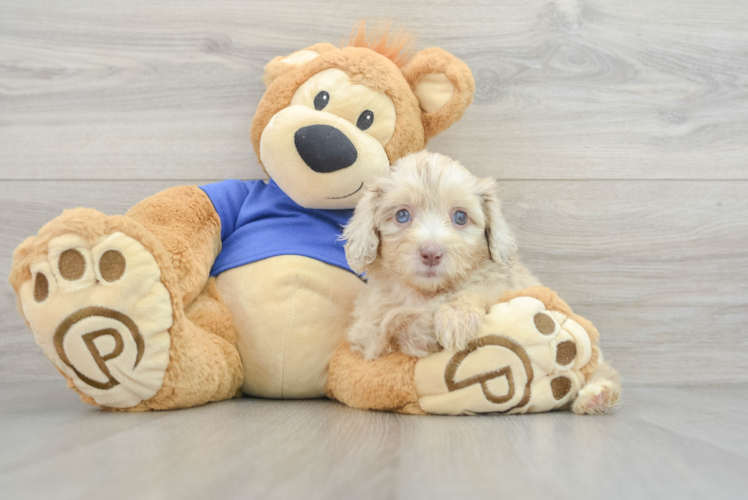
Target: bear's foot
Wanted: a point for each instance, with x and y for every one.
(94, 299)
(526, 359)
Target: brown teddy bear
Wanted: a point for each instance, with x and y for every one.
(200, 294)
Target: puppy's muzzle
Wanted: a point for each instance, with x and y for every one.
(324, 148)
(431, 255)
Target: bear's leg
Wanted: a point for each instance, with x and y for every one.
(106, 296)
(205, 365)
(387, 383)
(533, 354)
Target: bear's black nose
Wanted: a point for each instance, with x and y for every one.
(324, 148)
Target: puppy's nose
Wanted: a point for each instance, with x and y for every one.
(431, 255)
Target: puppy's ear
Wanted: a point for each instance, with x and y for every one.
(361, 232)
(500, 239)
(283, 64)
(444, 86)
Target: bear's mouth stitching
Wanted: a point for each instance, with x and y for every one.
(346, 196)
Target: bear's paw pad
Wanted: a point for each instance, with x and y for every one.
(525, 359)
(100, 313)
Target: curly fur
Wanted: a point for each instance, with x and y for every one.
(412, 307)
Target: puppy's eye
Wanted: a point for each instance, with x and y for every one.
(402, 216)
(460, 218)
(365, 120)
(321, 100)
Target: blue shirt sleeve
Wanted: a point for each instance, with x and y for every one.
(228, 197)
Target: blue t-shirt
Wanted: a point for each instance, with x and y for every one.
(259, 220)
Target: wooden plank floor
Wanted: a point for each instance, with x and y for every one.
(662, 443)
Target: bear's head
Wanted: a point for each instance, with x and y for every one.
(334, 118)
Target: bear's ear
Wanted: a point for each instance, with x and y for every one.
(283, 64)
(444, 87)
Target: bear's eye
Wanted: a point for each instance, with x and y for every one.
(460, 218)
(402, 216)
(321, 100)
(365, 120)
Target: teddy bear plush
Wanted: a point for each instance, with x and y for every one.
(201, 294)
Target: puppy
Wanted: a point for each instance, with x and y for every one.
(437, 254)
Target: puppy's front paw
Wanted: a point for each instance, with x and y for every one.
(456, 324)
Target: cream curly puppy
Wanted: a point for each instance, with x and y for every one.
(437, 254)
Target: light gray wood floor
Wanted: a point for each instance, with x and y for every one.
(662, 443)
